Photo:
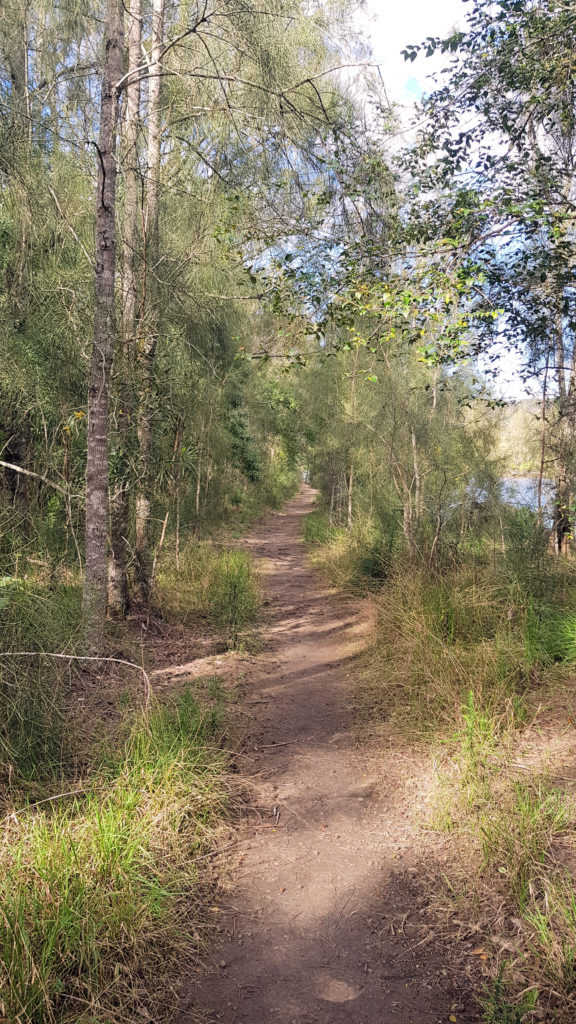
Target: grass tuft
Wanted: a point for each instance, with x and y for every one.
(219, 584)
(465, 648)
(96, 889)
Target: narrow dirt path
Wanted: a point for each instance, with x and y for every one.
(319, 928)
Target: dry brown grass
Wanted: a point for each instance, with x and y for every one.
(448, 674)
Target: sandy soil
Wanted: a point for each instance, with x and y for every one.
(321, 925)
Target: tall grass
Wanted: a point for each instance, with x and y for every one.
(102, 893)
(353, 558)
(35, 616)
(218, 584)
(459, 647)
(98, 890)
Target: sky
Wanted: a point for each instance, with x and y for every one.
(389, 25)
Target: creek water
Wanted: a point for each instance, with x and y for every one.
(522, 492)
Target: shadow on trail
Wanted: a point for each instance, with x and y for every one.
(321, 928)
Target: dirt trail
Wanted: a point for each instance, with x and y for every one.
(321, 928)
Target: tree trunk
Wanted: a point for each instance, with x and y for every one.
(118, 557)
(132, 208)
(199, 476)
(417, 482)
(95, 579)
(350, 483)
(562, 508)
(177, 486)
(543, 437)
(563, 514)
(144, 561)
(120, 497)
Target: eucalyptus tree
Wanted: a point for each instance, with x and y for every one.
(150, 312)
(96, 554)
(131, 235)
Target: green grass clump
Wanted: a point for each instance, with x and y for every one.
(516, 834)
(96, 889)
(552, 920)
(458, 652)
(316, 529)
(36, 616)
(355, 558)
(497, 1007)
(446, 650)
(33, 738)
(219, 584)
(550, 634)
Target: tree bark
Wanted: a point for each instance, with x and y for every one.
(543, 437)
(563, 515)
(132, 209)
(144, 561)
(350, 484)
(120, 497)
(95, 578)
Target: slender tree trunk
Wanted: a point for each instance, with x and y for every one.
(207, 484)
(417, 482)
(132, 209)
(562, 511)
(543, 436)
(95, 579)
(199, 476)
(177, 486)
(350, 484)
(407, 522)
(160, 545)
(339, 500)
(562, 487)
(439, 520)
(118, 553)
(120, 497)
(144, 562)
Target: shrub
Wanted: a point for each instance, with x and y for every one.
(550, 634)
(353, 558)
(526, 551)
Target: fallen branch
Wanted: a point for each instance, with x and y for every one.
(38, 476)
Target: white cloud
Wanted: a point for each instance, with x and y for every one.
(390, 26)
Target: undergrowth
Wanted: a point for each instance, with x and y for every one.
(218, 584)
(467, 646)
(35, 616)
(352, 558)
(98, 889)
(103, 836)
